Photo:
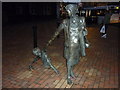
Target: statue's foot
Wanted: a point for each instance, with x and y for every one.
(47, 66)
(31, 67)
(72, 75)
(69, 81)
(57, 72)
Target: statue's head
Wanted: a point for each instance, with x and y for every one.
(72, 9)
(37, 52)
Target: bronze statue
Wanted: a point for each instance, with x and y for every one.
(40, 54)
(75, 42)
(75, 38)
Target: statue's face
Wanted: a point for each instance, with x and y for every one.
(71, 9)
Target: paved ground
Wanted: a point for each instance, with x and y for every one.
(99, 69)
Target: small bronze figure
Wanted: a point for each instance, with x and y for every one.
(43, 56)
(75, 38)
(40, 54)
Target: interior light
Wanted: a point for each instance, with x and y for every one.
(117, 7)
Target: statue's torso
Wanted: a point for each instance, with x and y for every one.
(72, 30)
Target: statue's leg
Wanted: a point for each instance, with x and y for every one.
(53, 67)
(87, 44)
(35, 59)
(69, 68)
(73, 64)
(82, 45)
(66, 52)
(46, 64)
(44, 59)
(72, 73)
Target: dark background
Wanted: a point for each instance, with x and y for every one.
(16, 12)
(19, 12)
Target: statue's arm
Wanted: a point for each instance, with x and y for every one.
(85, 31)
(60, 28)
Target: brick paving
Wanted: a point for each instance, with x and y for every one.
(99, 69)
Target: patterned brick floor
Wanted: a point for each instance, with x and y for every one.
(99, 69)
